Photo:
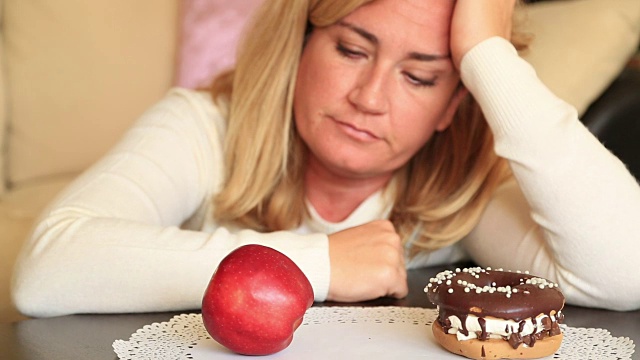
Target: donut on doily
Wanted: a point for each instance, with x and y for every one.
(487, 313)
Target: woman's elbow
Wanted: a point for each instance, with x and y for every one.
(618, 294)
(37, 288)
(29, 294)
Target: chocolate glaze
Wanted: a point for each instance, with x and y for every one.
(506, 295)
(483, 325)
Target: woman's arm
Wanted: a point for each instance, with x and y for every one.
(113, 242)
(573, 214)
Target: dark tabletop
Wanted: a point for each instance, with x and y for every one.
(91, 336)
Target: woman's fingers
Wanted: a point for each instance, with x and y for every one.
(476, 20)
(367, 262)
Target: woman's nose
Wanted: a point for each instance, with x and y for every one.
(370, 92)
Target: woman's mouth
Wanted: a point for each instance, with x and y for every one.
(355, 132)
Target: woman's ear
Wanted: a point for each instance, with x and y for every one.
(449, 113)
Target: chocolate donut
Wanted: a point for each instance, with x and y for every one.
(486, 313)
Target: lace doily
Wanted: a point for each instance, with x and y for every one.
(347, 332)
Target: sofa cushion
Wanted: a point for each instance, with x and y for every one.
(580, 46)
(11, 238)
(3, 115)
(79, 72)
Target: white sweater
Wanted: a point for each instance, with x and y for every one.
(135, 232)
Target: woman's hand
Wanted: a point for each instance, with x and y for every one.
(477, 20)
(367, 262)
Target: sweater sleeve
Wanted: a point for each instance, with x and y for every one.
(572, 213)
(113, 242)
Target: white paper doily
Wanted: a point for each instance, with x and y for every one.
(347, 333)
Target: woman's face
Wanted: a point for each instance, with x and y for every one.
(374, 87)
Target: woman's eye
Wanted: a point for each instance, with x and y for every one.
(417, 81)
(349, 53)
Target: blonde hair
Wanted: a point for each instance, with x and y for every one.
(441, 192)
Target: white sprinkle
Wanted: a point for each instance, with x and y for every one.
(450, 291)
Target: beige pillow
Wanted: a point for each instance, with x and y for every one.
(3, 125)
(79, 72)
(580, 46)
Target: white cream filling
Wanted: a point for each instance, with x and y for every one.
(496, 328)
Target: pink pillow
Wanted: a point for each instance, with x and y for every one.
(209, 33)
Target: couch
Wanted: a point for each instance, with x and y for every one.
(76, 73)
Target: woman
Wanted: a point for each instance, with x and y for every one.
(347, 138)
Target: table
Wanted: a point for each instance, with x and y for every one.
(90, 336)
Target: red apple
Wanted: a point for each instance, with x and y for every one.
(255, 301)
